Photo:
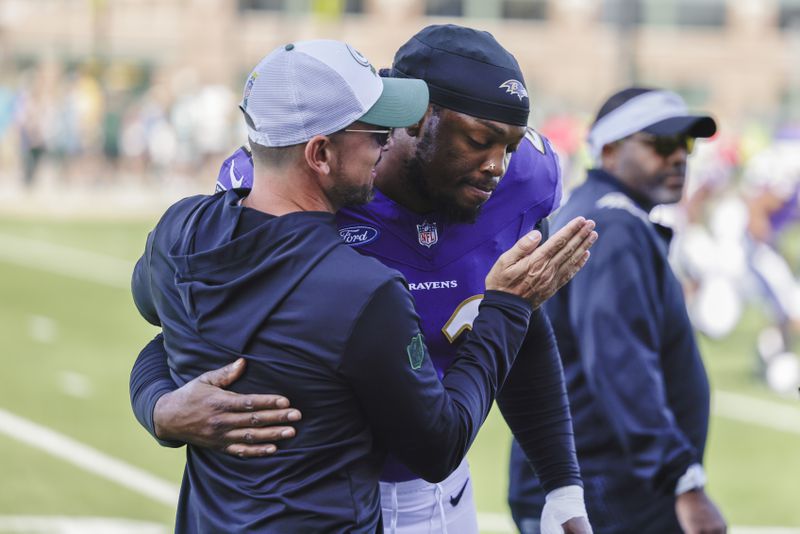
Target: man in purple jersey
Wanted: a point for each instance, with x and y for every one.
(435, 179)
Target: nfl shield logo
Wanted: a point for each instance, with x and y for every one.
(427, 234)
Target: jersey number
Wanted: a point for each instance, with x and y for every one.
(462, 318)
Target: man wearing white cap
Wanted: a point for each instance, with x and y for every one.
(264, 274)
(638, 390)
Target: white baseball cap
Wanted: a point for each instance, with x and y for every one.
(319, 87)
(654, 111)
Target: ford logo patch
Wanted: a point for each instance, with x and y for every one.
(358, 235)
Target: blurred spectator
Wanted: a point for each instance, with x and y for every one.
(30, 118)
(74, 121)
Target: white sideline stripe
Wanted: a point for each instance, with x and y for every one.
(77, 525)
(768, 414)
(496, 523)
(68, 261)
(133, 478)
(763, 530)
(88, 458)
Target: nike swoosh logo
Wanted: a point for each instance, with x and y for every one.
(235, 184)
(455, 500)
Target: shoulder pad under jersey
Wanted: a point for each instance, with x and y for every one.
(533, 177)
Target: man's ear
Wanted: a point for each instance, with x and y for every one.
(415, 129)
(608, 156)
(318, 154)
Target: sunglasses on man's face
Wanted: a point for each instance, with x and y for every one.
(664, 145)
(380, 136)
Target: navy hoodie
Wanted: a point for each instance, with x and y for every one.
(332, 330)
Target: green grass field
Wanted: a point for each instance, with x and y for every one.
(69, 333)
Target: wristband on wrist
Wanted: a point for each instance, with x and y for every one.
(561, 505)
(693, 478)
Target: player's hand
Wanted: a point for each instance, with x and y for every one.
(577, 525)
(536, 272)
(564, 512)
(203, 414)
(697, 514)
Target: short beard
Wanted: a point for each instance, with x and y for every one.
(350, 195)
(443, 204)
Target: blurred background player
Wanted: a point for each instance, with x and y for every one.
(729, 249)
(772, 194)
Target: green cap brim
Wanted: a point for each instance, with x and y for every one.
(402, 103)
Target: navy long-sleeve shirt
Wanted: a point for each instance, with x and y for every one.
(637, 386)
(333, 331)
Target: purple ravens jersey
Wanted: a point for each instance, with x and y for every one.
(445, 264)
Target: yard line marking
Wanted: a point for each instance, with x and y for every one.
(492, 522)
(67, 261)
(499, 523)
(75, 384)
(769, 414)
(133, 478)
(42, 329)
(88, 458)
(58, 524)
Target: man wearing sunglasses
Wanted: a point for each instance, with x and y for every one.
(441, 215)
(263, 273)
(637, 386)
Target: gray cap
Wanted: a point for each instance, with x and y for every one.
(319, 87)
